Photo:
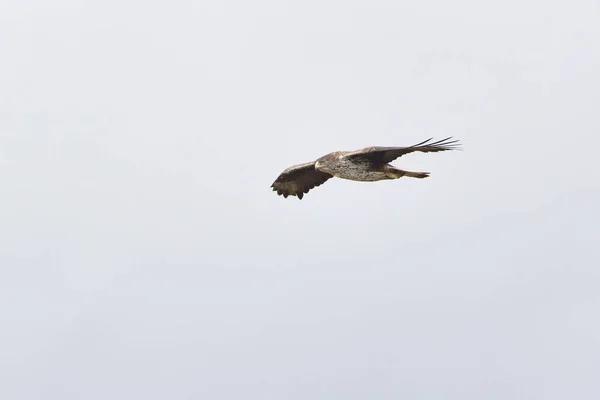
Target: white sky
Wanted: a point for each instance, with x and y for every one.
(144, 256)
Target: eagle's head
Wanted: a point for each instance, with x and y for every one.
(325, 163)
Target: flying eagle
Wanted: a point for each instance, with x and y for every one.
(365, 165)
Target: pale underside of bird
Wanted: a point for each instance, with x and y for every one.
(369, 164)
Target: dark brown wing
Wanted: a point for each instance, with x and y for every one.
(385, 155)
(299, 179)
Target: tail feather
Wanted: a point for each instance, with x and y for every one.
(396, 173)
(419, 175)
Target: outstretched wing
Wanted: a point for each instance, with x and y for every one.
(385, 155)
(299, 179)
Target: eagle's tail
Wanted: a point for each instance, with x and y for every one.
(395, 173)
(419, 175)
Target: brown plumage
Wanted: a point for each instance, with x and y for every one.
(365, 165)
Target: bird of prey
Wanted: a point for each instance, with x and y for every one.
(365, 165)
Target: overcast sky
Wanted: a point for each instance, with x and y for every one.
(144, 256)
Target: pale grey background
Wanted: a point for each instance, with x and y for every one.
(144, 256)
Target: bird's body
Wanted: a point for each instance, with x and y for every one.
(365, 165)
(340, 166)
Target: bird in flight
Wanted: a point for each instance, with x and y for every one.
(365, 165)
